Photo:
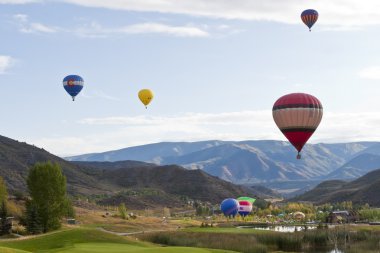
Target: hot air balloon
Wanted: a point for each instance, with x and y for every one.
(145, 95)
(229, 207)
(73, 84)
(309, 17)
(297, 115)
(252, 200)
(245, 207)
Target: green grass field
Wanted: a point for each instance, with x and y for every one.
(89, 240)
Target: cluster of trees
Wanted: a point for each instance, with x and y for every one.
(202, 209)
(48, 202)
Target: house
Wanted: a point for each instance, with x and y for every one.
(342, 217)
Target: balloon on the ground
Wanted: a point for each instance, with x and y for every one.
(229, 207)
(73, 84)
(252, 200)
(145, 96)
(309, 17)
(297, 115)
(245, 207)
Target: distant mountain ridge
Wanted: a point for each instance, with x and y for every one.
(357, 167)
(148, 185)
(254, 162)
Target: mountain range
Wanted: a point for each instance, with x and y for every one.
(138, 184)
(360, 191)
(257, 162)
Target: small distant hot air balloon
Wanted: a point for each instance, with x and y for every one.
(146, 95)
(309, 17)
(229, 207)
(73, 84)
(297, 115)
(245, 207)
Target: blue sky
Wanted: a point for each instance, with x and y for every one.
(216, 68)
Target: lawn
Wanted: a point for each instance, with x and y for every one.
(86, 241)
(119, 248)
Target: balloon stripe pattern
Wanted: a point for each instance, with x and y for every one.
(297, 115)
(245, 208)
(249, 199)
(73, 84)
(309, 17)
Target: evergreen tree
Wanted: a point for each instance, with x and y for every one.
(3, 190)
(122, 211)
(33, 222)
(47, 188)
(5, 225)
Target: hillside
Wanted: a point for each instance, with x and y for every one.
(360, 191)
(16, 158)
(168, 183)
(145, 184)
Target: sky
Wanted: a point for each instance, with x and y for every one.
(216, 68)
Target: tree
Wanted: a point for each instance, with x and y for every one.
(32, 219)
(3, 190)
(47, 188)
(70, 211)
(5, 225)
(122, 211)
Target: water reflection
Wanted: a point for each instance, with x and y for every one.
(284, 229)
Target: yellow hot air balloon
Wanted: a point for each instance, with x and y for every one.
(146, 95)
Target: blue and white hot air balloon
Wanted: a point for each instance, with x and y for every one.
(73, 84)
(229, 207)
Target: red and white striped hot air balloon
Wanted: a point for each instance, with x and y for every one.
(297, 115)
(245, 207)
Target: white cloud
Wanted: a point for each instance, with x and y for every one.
(95, 30)
(333, 12)
(344, 127)
(18, 1)
(31, 27)
(370, 73)
(119, 132)
(6, 62)
(21, 17)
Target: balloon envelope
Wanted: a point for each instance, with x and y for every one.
(73, 84)
(245, 207)
(297, 115)
(252, 200)
(229, 207)
(145, 96)
(309, 17)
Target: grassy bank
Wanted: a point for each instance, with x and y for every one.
(89, 240)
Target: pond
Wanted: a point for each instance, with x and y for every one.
(280, 228)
